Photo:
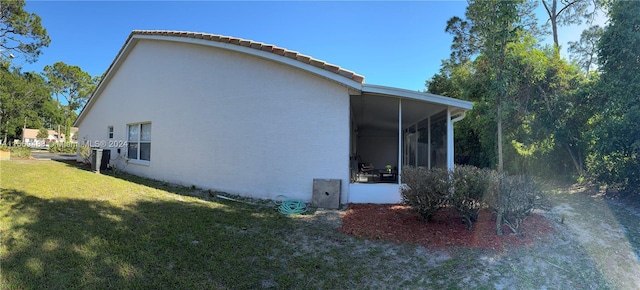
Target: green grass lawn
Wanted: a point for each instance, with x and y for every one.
(63, 227)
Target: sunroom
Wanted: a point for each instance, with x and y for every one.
(392, 128)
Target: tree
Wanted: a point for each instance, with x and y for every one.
(465, 43)
(615, 153)
(496, 25)
(566, 12)
(21, 32)
(71, 83)
(585, 51)
(490, 28)
(23, 97)
(42, 133)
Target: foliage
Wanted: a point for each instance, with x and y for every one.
(529, 104)
(63, 147)
(614, 150)
(20, 31)
(469, 189)
(564, 12)
(43, 133)
(17, 151)
(470, 185)
(494, 24)
(514, 198)
(426, 191)
(24, 101)
(69, 82)
(585, 51)
(85, 154)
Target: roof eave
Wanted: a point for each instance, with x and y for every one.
(414, 95)
(126, 48)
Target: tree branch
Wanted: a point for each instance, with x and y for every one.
(567, 6)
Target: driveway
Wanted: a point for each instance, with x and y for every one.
(44, 155)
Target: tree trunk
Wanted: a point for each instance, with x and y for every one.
(553, 17)
(577, 162)
(500, 157)
(500, 171)
(554, 28)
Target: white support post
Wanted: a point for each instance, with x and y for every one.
(399, 140)
(450, 160)
(429, 142)
(415, 144)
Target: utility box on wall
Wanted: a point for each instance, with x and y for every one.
(326, 193)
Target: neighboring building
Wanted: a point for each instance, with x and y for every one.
(30, 137)
(258, 120)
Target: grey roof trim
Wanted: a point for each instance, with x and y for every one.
(425, 97)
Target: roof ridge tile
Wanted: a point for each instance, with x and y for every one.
(256, 45)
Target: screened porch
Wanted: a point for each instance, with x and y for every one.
(392, 128)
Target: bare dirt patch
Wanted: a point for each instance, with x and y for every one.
(580, 240)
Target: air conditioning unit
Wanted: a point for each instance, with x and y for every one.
(100, 159)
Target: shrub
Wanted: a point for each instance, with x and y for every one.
(426, 191)
(63, 147)
(469, 187)
(468, 190)
(513, 199)
(17, 151)
(85, 154)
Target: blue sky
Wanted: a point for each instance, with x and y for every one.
(398, 44)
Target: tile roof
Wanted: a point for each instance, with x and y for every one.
(258, 46)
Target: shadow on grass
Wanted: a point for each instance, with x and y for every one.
(90, 243)
(64, 243)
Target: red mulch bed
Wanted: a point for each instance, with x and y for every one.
(398, 223)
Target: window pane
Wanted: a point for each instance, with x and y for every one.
(145, 151)
(145, 132)
(439, 141)
(133, 132)
(132, 153)
(423, 144)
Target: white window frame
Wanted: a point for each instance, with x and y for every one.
(138, 142)
(110, 132)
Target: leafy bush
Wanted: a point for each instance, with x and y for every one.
(63, 147)
(513, 199)
(85, 154)
(17, 151)
(468, 190)
(469, 187)
(426, 191)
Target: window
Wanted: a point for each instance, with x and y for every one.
(110, 132)
(139, 141)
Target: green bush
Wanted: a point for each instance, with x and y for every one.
(468, 190)
(469, 187)
(85, 154)
(63, 147)
(512, 200)
(426, 191)
(17, 151)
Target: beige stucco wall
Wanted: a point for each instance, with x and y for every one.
(226, 121)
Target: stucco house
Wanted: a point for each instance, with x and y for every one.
(258, 120)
